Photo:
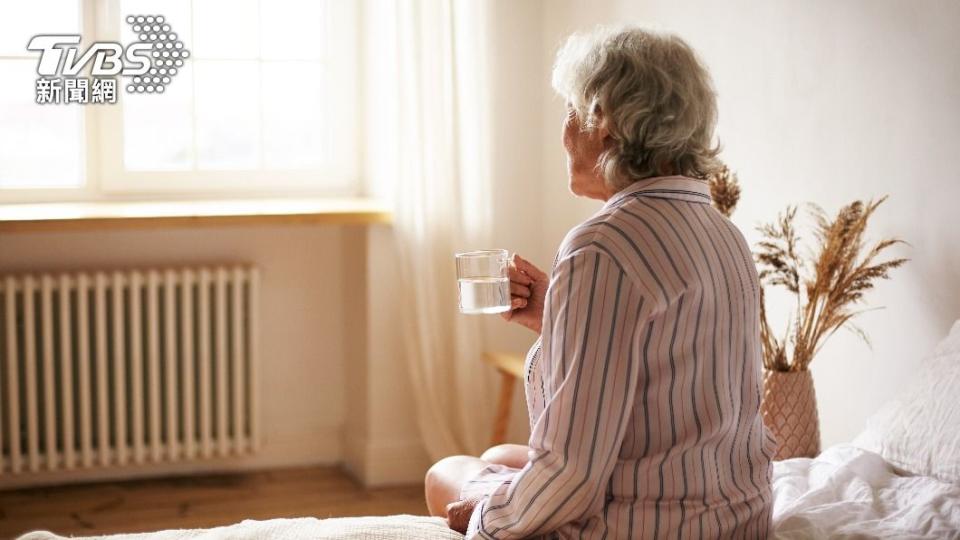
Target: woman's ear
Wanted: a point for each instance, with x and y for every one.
(602, 131)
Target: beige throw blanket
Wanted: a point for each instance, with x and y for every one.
(400, 527)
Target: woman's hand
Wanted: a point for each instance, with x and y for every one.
(528, 291)
(458, 515)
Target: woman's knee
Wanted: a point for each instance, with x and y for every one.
(511, 455)
(439, 472)
(444, 479)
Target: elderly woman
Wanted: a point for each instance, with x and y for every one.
(643, 388)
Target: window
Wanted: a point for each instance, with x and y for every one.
(264, 103)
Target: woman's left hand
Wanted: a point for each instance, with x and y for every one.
(458, 514)
(528, 291)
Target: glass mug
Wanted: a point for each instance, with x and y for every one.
(483, 281)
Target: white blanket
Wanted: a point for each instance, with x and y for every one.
(847, 492)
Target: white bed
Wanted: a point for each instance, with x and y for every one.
(901, 476)
(899, 479)
(848, 492)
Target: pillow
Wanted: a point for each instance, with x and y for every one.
(919, 431)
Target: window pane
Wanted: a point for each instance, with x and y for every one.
(40, 145)
(286, 37)
(20, 21)
(226, 28)
(252, 95)
(293, 127)
(158, 128)
(228, 114)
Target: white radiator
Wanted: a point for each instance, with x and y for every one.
(110, 369)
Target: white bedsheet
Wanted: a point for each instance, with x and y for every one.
(847, 492)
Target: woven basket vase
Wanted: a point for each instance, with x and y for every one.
(789, 410)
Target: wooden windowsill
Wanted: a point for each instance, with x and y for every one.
(160, 214)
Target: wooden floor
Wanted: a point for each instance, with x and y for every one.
(194, 502)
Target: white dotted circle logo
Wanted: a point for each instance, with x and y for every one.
(166, 51)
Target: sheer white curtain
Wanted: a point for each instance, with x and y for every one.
(428, 106)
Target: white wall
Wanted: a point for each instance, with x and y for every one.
(382, 444)
(823, 101)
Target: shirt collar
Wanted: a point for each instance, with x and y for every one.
(666, 187)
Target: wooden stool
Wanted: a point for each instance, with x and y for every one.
(510, 366)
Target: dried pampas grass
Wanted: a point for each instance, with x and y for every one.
(725, 191)
(828, 284)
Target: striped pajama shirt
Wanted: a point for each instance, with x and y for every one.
(643, 390)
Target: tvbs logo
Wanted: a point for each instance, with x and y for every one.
(148, 65)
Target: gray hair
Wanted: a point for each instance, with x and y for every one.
(654, 94)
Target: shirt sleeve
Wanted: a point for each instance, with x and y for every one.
(589, 364)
